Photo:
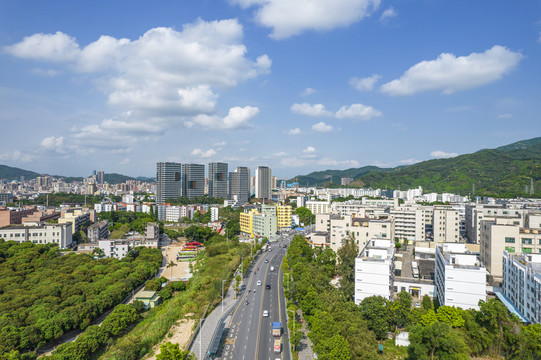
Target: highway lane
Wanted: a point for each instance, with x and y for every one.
(250, 334)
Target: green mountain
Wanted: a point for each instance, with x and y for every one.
(506, 170)
(318, 178)
(13, 173)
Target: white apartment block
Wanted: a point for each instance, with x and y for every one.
(175, 213)
(522, 284)
(77, 218)
(445, 224)
(391, 203)
(412, 222)
(213, 214)
(43, 233)
(319, 207)
(374, 270)
(503, 234)
(460, 278)
(474, 214)
(114, 248)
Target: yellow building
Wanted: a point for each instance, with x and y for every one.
(246, 222)
(284, 216)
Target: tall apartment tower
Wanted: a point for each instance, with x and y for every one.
(168, 175)
(263, 182)
(218, 180)
(100, 175)
(193, 180)
(239, 185)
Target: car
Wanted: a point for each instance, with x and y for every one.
(266, 260)
(258, 282)
(417, 304)
(265, 313)
(267, 286)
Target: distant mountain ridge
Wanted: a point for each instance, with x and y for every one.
(13, 173)
(507, 169)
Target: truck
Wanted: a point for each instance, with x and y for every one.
(276, 328)
(277, 345)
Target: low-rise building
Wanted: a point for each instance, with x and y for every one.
(9, 216)
(98, 231)
(77, 217)
(114, 248)
(60, 234)
(460, 278)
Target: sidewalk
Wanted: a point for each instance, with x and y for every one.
(211, 323)
(305, 345)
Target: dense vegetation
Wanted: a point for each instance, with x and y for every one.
(340, 330)
(122, 222)
(44, 295)
(318, 178)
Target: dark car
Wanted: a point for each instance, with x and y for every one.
(267, 287)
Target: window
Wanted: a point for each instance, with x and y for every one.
(510, 240)
(527, 250)
(510, 249)
(527, 241)
(384, 226)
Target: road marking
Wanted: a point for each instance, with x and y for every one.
(260, 321)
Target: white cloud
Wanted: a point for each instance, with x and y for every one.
(505, 116)
(409, 161)
(442, 154)
(309, 149)
(237, 118)
(220, 144)
(310, 110)
(450, 74)
(364, 84)
(125, 161)
(295, 131)
(357, 111)
(288, 18)
(387, 14)
(328, 162)
(308, 91)
(16, 155)
(203, 154)
(53, 143)
(57, 47)
(322, 127)
(291, 161)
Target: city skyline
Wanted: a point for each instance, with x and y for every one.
(251, 83)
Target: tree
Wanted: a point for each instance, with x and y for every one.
(305, 215)
(426, 303)
(170, 266)
(98, 252)
(374, 310)
(169, 351)
(450, 315)
(334, 348)
(346, 266)
(436, 341)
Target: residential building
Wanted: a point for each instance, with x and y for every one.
(284, 212)
(77, 218)
(522, 284)
(100, 177)
(318, 207)
(246, 222)
(42, 216)
(98, 231)
(263, 182)
(264, 225)
(217, 180)
(214, 212)
(374, 269)
(445, 224)
(502, 233)
(239, 185)
(10, 216)
(474, 214)
(152, 231)
(193, 180)
(114, 248)
(413, 222)
(460, 277)
(169, 182)
(44, 233)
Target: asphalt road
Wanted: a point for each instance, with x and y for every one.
(250, 333)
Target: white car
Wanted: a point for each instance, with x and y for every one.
(258, 282)
(265, 313)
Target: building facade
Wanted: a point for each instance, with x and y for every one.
(169, 181)
(60, 234)
(374, 270)
(263, 182)
(193, 180)
(239, 185)
(217, 180)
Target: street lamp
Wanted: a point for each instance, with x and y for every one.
(223, 295)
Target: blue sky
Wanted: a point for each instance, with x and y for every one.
(295, 85)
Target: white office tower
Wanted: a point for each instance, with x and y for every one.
(459, 277)
(218, 180)
(193, 180)
(374, 270)
(263, 182)
(168, 176)
(239, 185)
(522, 284)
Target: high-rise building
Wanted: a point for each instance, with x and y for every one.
(239, 185)
(169, 176)
(193, 180)
(263, 182)
(218, 180)
(100, 175)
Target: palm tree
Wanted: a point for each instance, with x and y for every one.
(170, 265)
(98, 252)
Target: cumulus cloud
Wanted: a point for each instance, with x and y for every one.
(357, 111)
(442, 154)
(203, 154)
(364, 84)
(237, 118)
(220, 144)
(322, 127)
(450, 74)
(164, 78)
(295, 131)
(327, 161)
(310, 110)
(16, 155)
(309, 149)
(288, 18)
(308, 91)
(53, 143)
(387, 14)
